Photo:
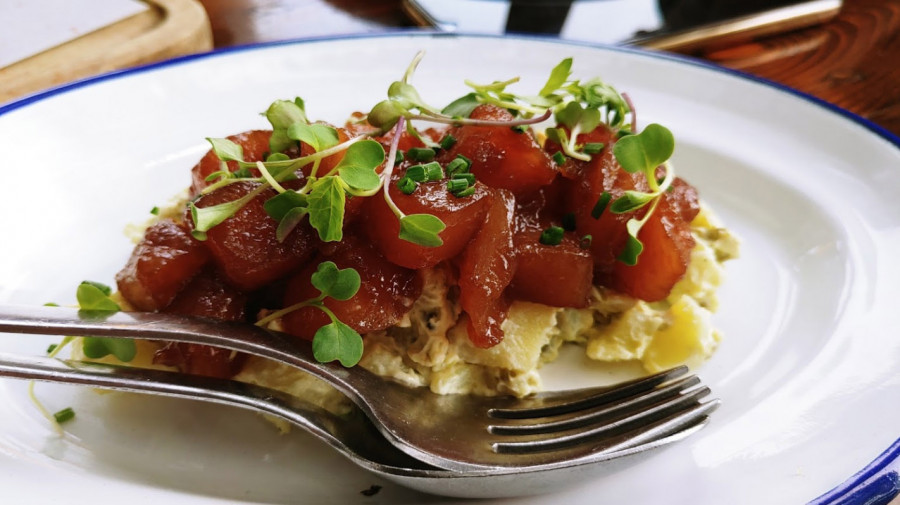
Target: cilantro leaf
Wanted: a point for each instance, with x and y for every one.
(340, 284)
(99, 347)
(337, 341)
(357, 167)
(422, 229)
(94, 296)
(226, 150)
(643, 152)
(326, 203)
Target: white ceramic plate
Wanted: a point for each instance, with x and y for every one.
(807, 372)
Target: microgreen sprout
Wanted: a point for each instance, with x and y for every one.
(642, 153)
(335, 340)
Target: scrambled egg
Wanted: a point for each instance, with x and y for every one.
(430, 347)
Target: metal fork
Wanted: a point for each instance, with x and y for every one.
(455, 432)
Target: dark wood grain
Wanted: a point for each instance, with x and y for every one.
(852, 61)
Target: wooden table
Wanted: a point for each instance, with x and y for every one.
(852, 61)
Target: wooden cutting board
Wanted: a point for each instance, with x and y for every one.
(168, 28)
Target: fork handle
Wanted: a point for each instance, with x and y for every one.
(240, 337)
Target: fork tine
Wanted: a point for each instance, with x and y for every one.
(596, 414)
(555, 404)
(608, 430)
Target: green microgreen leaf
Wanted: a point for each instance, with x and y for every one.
(462, 106)
(289, 221)
(279, 205)
(631, 200)
(282, 114)
(340, 284)
(326, 203)
(94, 296)
(574, 115)
(318, 136)
(385, 114)
(645, 151)
(633, 247)
(205, 218)
(337, 341)
(99, 347)
(357, 167)
(558, 76)
(422, 229)
(226, 150)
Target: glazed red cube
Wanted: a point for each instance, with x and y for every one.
(245, 246)
(462, 216)
(207, 295)
(502, 157)
(255, 144)
(556, 275)
(386, 292)
(486, 267)
(162, 263)
(667, 243)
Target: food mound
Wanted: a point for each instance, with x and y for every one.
(453, 248)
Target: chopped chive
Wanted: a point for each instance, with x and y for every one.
(155, 211)
(398, 159)
(467, 161)
(593, 147)
(585, 242)
(552, 235)
(559, 158)
(456, 185)
(457, 166)
(66, 414)
(466, 192)
(417, 173)
(519, 128)
(447, 142)
(434, 171)
(469, 177)
(568, 221)
(420, 153)
(51, 348)
(601, 204)
(407, 185)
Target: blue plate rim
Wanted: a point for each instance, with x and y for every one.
(855, 490)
